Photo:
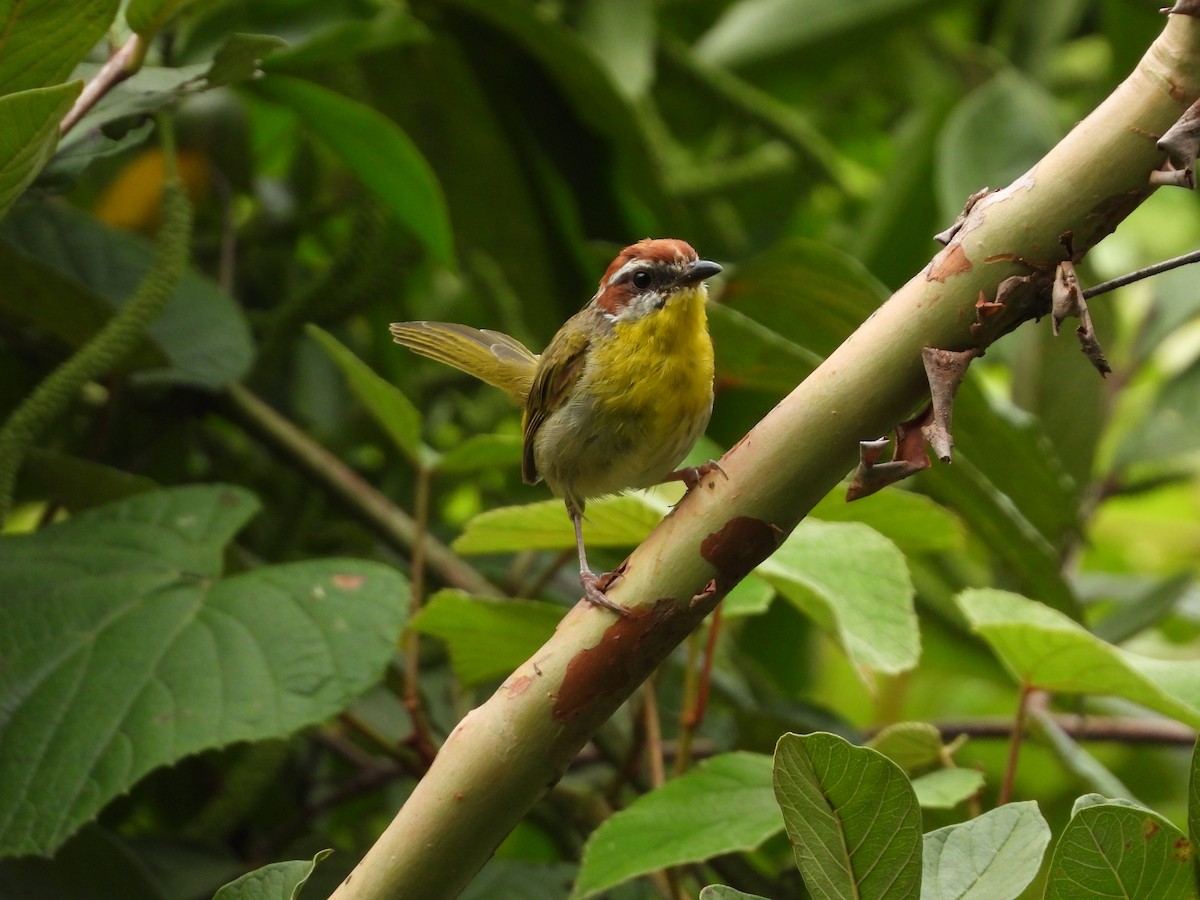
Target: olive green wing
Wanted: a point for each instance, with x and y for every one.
(492, 357)
(557, 374)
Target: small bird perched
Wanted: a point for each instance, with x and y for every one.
(619, 396)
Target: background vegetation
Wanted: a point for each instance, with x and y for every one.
(217, 535)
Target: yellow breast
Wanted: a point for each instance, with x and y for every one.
(662, 361)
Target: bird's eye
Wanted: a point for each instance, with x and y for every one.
(641, 279)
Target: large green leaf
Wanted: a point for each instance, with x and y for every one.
(377, 151)
(751, 355)
(750, 30)
(28, 134)
(997, 132)
(276, 881)
(487, 638)
(855, 584)
(910, 745)
(911, 521)
(612, 522)
(1011, 490)
(591, 94)
(724, 805)
(946, 788)
(622, 35)
(147, 17)
(1120, 850)
(202, 331)
(851, 816)
(385, 402)
(41, 41)
(811, 294)
(994, 855)
(1043, 648)
(125, 650)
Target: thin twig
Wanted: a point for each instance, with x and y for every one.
(654, 743)
(125, 62)
(1080, 728)
(697, 696)
(422, 736)
(1014, 746)
(1138, 274)
(394, 525)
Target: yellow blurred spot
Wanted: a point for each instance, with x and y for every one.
(133, 199)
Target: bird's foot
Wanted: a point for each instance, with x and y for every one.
(693, 475)
(593, 591)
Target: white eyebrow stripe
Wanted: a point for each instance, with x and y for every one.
(625, 270)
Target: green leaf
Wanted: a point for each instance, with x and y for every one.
(808, 293)
(41, 41)
(276, 881)
(378, 152)
(622, 35)
(910, 745)
(238, 58)
(1193, 806)
(851, 816)
(995, 855)
(147, 17)
(751, 355)
(751, 30)
(125, 650)
(202, 331)
(28, 134)
(946, 788)
(114, 123)
(911, 521)
(83, 146)
(94, 865)
(482, 451)
(612, 522)
(1170, 427)
(723, 892)
(487, 638)
(749, 597)
(385, 402)
(77, 483)
(723, 805)
(1115, 850)
(854, 583)
(1145, 609)
(59, 302)
(518, 879)
(995, 135)
(1011, 491)
(1043, 648)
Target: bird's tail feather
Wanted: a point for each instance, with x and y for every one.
(492, 357)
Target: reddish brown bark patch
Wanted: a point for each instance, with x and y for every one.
(950, 262)
(611, 665)
(737, 548)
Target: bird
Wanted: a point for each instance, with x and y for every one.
(621, 393)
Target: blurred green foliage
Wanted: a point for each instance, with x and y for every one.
(480, 161)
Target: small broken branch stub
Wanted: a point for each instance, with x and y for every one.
(1181, 144)
(945, 370)
(908, 458)
(1066, 299)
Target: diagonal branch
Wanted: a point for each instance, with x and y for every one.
(505, 754)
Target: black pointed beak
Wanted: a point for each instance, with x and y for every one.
(698, 271)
